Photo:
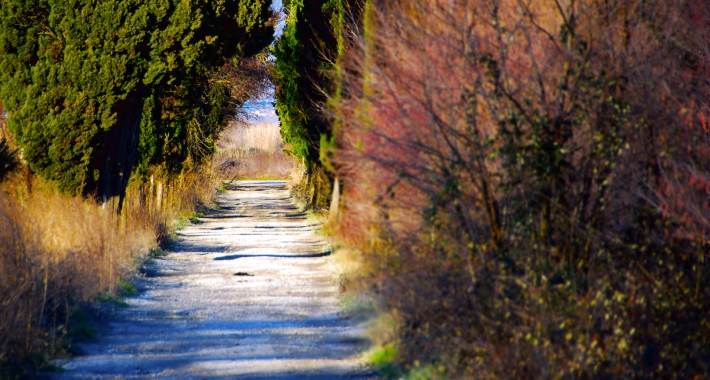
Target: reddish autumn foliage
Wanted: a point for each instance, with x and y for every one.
(526, 184)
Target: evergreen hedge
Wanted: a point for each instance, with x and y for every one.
(96, 88)
(305, 55)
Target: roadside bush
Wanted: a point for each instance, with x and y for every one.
(60, 255)
(526, 185)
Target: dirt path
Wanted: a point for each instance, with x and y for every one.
(280, 318)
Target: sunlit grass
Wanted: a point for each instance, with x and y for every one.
(57, 253)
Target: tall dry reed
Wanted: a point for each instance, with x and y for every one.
(56, 254)
(158, 203)
(59, 254)
(253, 151)
(263, 136)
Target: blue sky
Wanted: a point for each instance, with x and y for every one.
(262, 110)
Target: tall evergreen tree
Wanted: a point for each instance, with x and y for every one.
(312, 41)
(96, 87)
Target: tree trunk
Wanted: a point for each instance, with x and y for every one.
(335, 201)
(120, 151)
(159, 196)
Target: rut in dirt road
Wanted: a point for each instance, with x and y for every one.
(249, 292)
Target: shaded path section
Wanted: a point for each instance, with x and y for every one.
(250, 292)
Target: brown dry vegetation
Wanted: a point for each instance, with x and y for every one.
(58, 255)
(252, 151)
(525, 185)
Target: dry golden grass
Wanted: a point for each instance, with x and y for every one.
(156, 204)
(57, 253)
(254, 165)
(60, 254)
(264, 137)
(253, 151)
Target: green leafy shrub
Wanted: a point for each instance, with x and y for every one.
(313, 39)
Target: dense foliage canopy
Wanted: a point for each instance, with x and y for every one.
(311, 43)
(96, 88)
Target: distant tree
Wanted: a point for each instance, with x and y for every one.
(94, 88)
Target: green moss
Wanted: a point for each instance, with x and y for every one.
(126, 289)
(384, 360)
(157, 252)
(112, 300)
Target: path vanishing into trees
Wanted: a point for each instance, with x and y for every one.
(249, 292)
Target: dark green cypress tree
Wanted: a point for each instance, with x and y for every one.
(312, 41)
(96, 87)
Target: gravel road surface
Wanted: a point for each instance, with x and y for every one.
(249, 292)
